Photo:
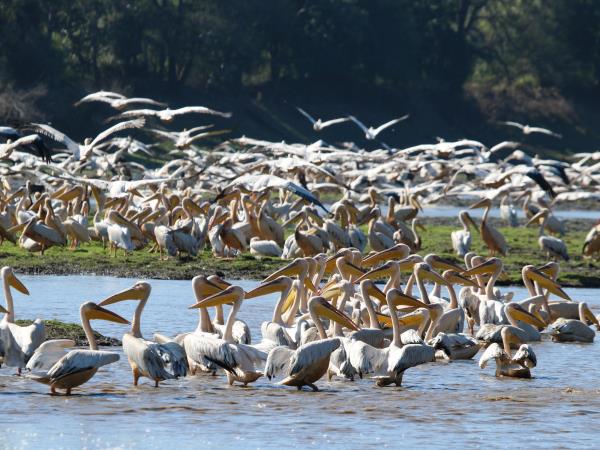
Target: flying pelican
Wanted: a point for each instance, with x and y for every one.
(309, 362)
(148, 359)
(318, 124)
(517, 366)
(117, 101)
(527, 129)
(370, 132)
(84, 151)
(493, 239)
(553, 246)
(168, 115)
(461, 239)
(79, 366)
(18, 342)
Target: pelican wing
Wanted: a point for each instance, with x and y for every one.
(278, 362)
(380, 128)
(147, 356)
(137, 123)
(307, 115)
(513, 124)
(330, 122)
(79, 360)
(261, 182)
(47, 354)
(525, 357)
(309, 354)
(200, 110)
(205, 350)
(492, 352)
(366, 359)
(101, 96)
(28, 338)
(411, 355)
(58, 136)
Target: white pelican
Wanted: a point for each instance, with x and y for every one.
(461, 239)
(260, 247)
(572, 330)
(528, 129)
(388, 364)
(18, 342)
(79, 366)
(507, 211)
(148, 359)
(370, 132)
(591, 246)
(238, 360)
(493, 239)
(318, 124)
(517, 366)
(552, 246)
(309, 362)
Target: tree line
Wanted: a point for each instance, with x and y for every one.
(436, 46)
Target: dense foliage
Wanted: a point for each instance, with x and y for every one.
(496, 49)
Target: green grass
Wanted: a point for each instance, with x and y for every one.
(55, 329)
(91, 258)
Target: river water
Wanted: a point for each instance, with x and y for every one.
(440, 404)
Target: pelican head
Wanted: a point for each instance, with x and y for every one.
(323, 308)
(543, 213)
(298, 267)
(91, 310)
(230, 295)
(519, 313)
(203, 287)
(8, 277)
(395, 297)
(483, 203)
(439, 263)
(456, 278)
(399, 251)
(489, 266)
(385, 270)
(542, 280)
(425, 272)
(280, 284)
(139, 291)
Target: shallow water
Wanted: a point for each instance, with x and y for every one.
(440, 404)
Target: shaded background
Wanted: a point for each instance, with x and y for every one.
(457, 66)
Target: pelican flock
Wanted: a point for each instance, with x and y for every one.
(344, 218)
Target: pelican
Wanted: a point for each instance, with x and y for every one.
(148, 359)
(493, 239)
(508, 211)
(528, 129)
(517, 366)
(591, 246)
(551, 245)
(79, 366)
(318, 124)
(489, 332)
(573, 330)
(260, 248)
(238, 360)
(461, 239)
(18, 342)
(309, 362)
(370, 132)
(388, 364)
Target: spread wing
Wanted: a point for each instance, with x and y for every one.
(308, 354)
(58, 136)
(79, 360)
(200, 110)
(278, 362)
(137, 123)
(47, 354)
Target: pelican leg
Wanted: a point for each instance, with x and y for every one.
(155, 383)
(53, 391)
(68, 391)
(313, 387)
(136, 376)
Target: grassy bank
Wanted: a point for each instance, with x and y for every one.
(55, 329)
(92, 259)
